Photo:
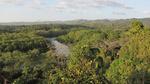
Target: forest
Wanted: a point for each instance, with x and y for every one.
(99, 53)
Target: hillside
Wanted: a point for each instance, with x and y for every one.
(91, 52)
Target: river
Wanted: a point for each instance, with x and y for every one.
(60, 48)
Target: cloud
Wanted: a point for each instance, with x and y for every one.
(68, 4)
(118, 13)
(14, 2)
(146, 12)
(86, 4)
(36, 4)
(10, 1)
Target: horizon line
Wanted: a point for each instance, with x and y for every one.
(111, 19)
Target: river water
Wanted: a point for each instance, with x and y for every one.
(60, 48)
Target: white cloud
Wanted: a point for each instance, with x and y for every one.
(68, 4)
(146, 12)
(118, 13)
(14, 2)
(36, 4)
(85, 4)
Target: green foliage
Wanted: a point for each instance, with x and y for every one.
(136, 27)
(133, 65)
(76, 36)
(83, 60)
(97, 54)
(112, 34)
(137, 24)
(21, 41)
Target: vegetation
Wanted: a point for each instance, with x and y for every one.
(99, 54)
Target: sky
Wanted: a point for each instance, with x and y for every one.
(54, 10)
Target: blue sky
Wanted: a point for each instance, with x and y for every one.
(51, 10)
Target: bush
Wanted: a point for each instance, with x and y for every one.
(132, 67)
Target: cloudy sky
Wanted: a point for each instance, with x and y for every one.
(50, 10)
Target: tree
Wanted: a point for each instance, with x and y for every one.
(136, 26)
(132, 67)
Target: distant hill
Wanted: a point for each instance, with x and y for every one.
(119, 23)
(146, 21)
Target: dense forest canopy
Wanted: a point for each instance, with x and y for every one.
(101, 52)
